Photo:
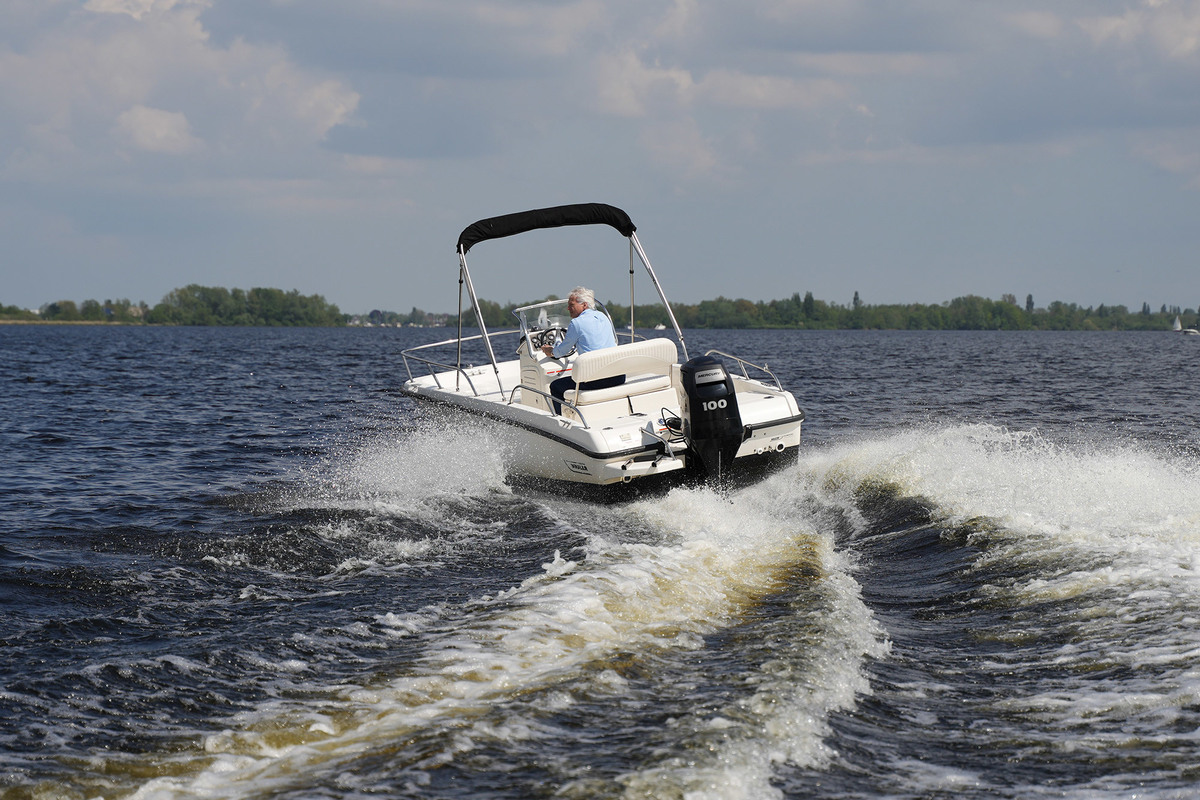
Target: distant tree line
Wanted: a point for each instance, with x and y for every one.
(122, 311)
(201, 305)
(970, 313)
(196, 305)
(204, 305)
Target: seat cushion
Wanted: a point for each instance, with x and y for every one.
(651, 356)
(640, 384)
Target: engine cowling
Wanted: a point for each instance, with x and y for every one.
(712, 422)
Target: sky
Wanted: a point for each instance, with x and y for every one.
(912, 151)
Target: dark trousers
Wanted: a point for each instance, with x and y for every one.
(560, 386)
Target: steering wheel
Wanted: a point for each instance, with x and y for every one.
(550, 336)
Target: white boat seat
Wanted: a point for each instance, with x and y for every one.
(642, 384)
(646, 366)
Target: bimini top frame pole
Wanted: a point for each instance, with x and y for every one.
(637, 245)
(632, 302)
(464, 276)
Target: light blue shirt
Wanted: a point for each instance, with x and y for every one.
(591, 330)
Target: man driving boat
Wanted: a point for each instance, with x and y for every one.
(589, 330)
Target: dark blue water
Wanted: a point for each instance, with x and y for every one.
(237, 563)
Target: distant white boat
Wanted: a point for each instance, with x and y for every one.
(1178, 328)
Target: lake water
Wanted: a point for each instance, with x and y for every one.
(238, 564)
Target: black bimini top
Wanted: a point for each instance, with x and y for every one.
(556, 217)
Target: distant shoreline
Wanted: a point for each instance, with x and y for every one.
(65, 322)
(215, 306)
(77, 323)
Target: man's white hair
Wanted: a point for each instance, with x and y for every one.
(584, 296)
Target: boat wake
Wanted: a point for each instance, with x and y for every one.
(652, 585)
(1068, 570)
(709, 644)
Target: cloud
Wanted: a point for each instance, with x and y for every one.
(147, 72)
(285, 101)
(682, 147)
(157, 131)
(731, 89)
(1176, 152)
(137, 8)
(628, 87)
(1171, 28)
(1041, 24)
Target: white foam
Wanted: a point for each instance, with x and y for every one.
(716, 556)
(1028, 483)
(935, 779)
(1098, 539)
(405, 475)
(184, 665)
(1114, 507)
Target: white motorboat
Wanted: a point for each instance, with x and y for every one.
(712, 416)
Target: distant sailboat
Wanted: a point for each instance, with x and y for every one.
(1178, 328)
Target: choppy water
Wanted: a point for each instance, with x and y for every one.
(236, 564)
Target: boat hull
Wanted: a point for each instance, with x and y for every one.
(604, 450)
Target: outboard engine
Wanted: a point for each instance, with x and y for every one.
(711, 420)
